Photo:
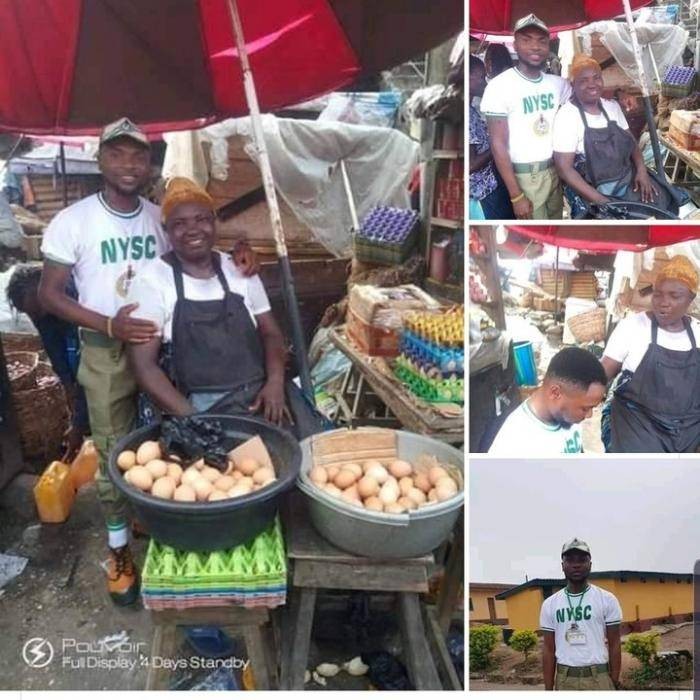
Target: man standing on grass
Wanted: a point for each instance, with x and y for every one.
(581, 627)
(519, 106)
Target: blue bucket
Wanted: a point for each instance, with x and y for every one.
(525, 368)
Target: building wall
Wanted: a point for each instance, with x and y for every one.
(651, 600)
(479, 609)
(524, 609)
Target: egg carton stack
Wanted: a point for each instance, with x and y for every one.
(387, 235)
(678, 81)
(431, 361)
(250, 575)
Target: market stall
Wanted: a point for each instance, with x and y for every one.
(563, 287)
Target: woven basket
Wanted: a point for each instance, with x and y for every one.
(42, 415)
(21, 368)
(589, 326)
(542, 304)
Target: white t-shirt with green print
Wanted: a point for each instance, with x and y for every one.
(529, 106)
(523, 434)
(592, 611)
(101, 244)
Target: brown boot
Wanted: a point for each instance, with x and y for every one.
(122, 577)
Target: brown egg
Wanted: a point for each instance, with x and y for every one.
(344, 479)
(126, 477)
(350, 496)
(203, 488)
(400, 468)
(367, 486)
(245, 481)
(157, 467)
(140, 477)
(236, 474)
(240, 489)
(332, 489)
(248, 466)
(352, 492)
(164, 487)
(147, 451)
(389, 493)
(422, 482)
(211, 474)
(174, 458)
(199, 464)
(370, 464)
(190, 475)
(435, 474)
(445, 488)
(417, 496)
(332, 472)
(126, 460)
(432, 496)
(356, 469)
(268, 482)
(263, 474)
(373, 503)
(378, 473)
(318, 475)
(174, 472)
(224, 483)
(405, 485)
(394, 508)
(407, 503)
(217, 495)
(184, 492)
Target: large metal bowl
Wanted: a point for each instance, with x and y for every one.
(218, 525)
(383, 535)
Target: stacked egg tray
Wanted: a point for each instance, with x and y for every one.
(249, 575)
(431, 359)
(387, 235)
(679, 81)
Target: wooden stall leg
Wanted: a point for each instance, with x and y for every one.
(416, 648)
(258, 656)
(298, 639)
(162, 646)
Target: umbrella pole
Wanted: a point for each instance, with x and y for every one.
(288, 291)
(63, 174)
(651, 124)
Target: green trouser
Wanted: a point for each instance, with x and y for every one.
(598, 679)
(544, 190)
(110, 390)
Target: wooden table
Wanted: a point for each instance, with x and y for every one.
(413, 414)
(317, 565)
(678, 156)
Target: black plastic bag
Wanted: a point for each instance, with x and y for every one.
(386, 672)
(194, 437)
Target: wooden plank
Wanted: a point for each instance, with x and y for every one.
(163, 646)
(419, 660)
(258, 655)
(453, 580)
(297, 656)
(220, 615)
(403, 575)
(441, 654)
(414, 414)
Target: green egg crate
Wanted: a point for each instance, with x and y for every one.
(429, 389)
(253, 566)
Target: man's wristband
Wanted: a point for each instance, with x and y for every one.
(514, 200)
(109, 327)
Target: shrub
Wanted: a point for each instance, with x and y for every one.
(523, 640)
(642, 646)
(482, 642)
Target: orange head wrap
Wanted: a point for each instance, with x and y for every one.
(580, 62)
(181, 190)
(680, 269)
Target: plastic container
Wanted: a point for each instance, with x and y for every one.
(525, 368)
(84, 466)
(54, 493)
(382, 535)
(207, 527)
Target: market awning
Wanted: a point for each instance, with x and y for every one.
(71, 66)
(607, 239)
(499, 16)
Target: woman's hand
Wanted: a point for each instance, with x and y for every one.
(601, 199)
(643, 183)
(522, 208)
(271, 401)
(245, 258)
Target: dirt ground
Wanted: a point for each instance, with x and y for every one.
(507, 673)
(61, 596)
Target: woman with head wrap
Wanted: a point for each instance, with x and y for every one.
(219, 348)
(655, 404)
(595, 154)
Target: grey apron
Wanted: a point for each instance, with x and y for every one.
(658, 410)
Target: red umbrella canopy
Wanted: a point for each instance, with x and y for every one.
(71, 66)
(606, 239)
(499, 16)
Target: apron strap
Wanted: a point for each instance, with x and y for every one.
(216, 261)
(691, 335)
(654, 329)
